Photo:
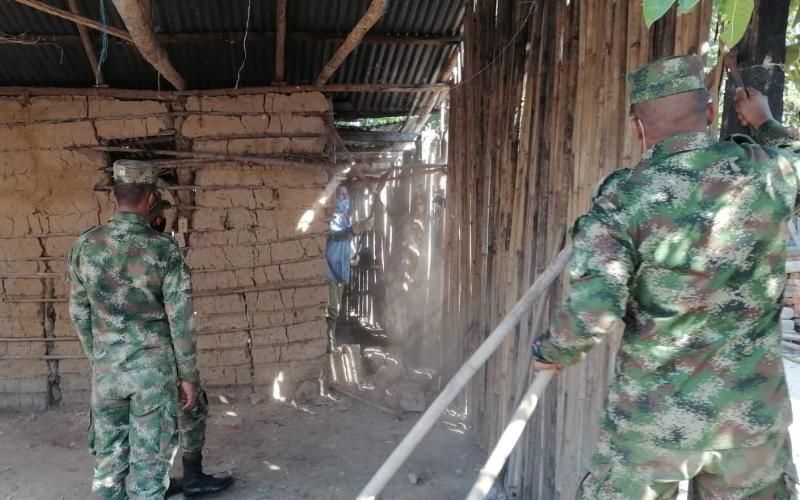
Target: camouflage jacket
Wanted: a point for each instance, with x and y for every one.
(688, 248)
(131, 297)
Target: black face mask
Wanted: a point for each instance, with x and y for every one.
(159, 224)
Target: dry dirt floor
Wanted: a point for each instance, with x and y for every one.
(324, 450)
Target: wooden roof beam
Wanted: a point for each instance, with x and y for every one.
(75, 18)
(236, 37)
(374, 12)
(370, 136)
(145, 40)
(87, 46)
(434, 99)
(167, 95)
(280, 44)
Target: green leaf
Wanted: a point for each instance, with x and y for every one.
(795, 7)
(686, 6)
(655, 9)
(736, 14)
(792, 52)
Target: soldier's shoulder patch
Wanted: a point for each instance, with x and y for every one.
(610, 180)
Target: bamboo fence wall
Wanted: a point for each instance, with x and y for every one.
(530, 137)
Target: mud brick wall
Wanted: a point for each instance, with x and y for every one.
(254, 244)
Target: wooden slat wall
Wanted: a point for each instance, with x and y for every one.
(530, 137)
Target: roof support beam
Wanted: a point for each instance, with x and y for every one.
(375, 137)
(263, 37)
(280, 44)
(145, 40)
(87, 46)
(374, 12)
(433, 99)
(69, 16)
(166, 95)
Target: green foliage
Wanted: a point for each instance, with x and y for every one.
(736, 16)
(655, 9)
(686, 6)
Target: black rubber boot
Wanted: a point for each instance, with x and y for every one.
(195, 483)
(331, 335)
(175, 487)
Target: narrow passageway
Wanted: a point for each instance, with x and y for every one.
(322, 450)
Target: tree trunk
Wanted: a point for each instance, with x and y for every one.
(760, 51)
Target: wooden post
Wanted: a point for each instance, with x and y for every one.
(145, 40)
(87, 46)
(280, 44)
(374, 12)
(69, 16)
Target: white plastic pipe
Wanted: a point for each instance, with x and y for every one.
(462, 377)
(505, 445)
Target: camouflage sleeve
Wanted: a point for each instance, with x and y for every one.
(177, 290)
(773, 134)
(79, 308)
(600, 269)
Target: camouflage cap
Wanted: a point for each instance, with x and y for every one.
(665, 77)
(135, 172)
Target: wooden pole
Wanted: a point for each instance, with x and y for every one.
(87, 45)
(434, 99)
(237, 37)
(462, 377)
(509, 438)
(167, 95)
(199, 155)
(145, 40)
(280, 44)
(374, 12)
(69, 16)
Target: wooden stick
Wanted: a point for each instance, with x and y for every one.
(260, 159)
(336, 388)
(87, 45)
(39, 358)
(257, 266)
(462, 377)
(280, 43)
(435, 99)
(69, 16)
(169, 95)
(374, 12)
(254, 289)
(39, 339)
(234, 37)
(145, 40)
(509, 438)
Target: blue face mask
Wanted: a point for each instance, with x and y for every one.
(342, 205)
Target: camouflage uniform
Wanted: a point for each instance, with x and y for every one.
(131, 305)
(688, 248)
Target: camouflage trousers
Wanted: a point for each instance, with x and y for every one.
(763, 472)
(192, 424)
(133, 428)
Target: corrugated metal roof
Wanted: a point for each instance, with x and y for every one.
(207, 64)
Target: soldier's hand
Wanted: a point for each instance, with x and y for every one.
(188, 395)
(753, 110)
(548, 366)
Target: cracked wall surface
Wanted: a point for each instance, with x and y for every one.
(258, 273)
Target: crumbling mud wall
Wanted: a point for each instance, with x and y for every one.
(254, 237)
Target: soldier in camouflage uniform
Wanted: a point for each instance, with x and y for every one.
(192, 423)
(688, 248)
(131, 305)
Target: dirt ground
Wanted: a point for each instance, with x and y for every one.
(325, 450)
